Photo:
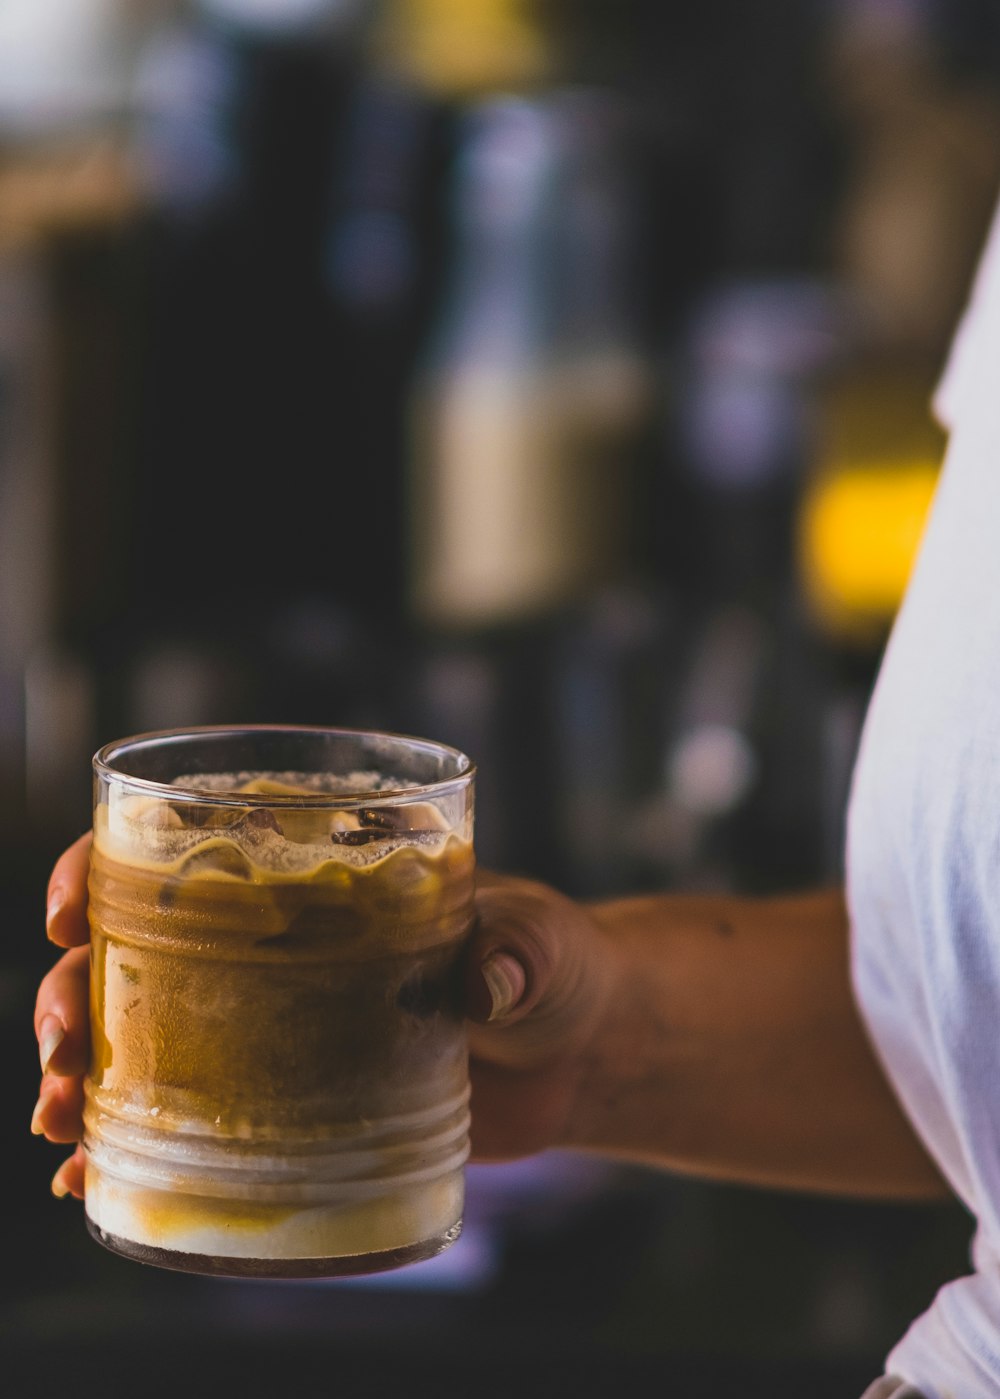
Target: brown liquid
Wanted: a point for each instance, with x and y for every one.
(279, 1004)
(277, 1010)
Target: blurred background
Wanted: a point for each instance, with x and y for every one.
(549, 378)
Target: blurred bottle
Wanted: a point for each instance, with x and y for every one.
(740, 434)
(923, 167)
(532, 385)
(243, 109)
(66, 201)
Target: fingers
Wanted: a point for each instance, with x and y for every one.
(539, 976)
(526, 956)
(61, 1025)
(498, 980)
(58, 1114)
(66, 901)
(68, 1180)
(506, 981)
(513, 950)
(61, 1015)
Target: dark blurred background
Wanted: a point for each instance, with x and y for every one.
(549, 378)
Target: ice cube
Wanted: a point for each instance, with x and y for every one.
(152, 813)
(250, 823)
(218, 857)
(313, 826)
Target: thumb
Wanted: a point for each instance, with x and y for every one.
(504, 980)
(513, 951)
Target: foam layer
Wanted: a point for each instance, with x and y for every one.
(197, 838)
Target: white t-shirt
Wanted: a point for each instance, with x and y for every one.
(923, 854)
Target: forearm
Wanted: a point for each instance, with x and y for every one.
(732, 1048)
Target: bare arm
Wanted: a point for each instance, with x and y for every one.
(712, 1035)
(732, 1048)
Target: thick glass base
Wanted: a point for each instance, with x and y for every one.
(351, 1265)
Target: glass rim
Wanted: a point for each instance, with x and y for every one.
(103, 766)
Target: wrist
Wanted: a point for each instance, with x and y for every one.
(613, 1061)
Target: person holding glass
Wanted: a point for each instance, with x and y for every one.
(842, 1041)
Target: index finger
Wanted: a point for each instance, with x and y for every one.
(66, 900)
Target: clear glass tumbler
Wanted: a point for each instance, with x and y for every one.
(278, 1084)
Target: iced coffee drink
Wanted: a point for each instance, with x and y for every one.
(278, 1084)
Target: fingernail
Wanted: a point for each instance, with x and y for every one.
(56, 901)
(59, 1187)
(36, 1117)
(51, 1034)
(504, 979)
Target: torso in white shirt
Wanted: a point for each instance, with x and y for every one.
(923, 858)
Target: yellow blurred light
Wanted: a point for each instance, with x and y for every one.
(459, 48)
(860, 530)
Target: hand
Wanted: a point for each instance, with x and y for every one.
(539, 975)
(542, 975)
(61, 1015)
